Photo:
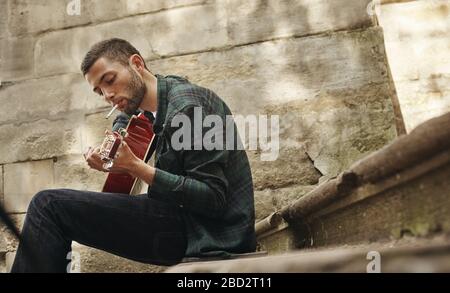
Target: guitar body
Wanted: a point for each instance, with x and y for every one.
(139, 138)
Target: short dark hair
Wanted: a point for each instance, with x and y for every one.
(114, 49)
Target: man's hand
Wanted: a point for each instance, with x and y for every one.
(93, 159)
(125, 161)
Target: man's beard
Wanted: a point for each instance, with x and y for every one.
(137, 91)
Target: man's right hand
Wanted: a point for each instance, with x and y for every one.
(93, 159)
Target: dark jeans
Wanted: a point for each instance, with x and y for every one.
(134, 227)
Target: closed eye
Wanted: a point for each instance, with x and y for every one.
(111, 80)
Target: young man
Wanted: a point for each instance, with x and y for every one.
(199, 201)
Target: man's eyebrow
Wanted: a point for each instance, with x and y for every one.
(101, 80)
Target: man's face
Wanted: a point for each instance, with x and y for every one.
(118, 84)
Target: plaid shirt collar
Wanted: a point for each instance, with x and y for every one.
(162, 91)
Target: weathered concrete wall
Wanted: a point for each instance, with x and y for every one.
(320, 65)
(417, 38)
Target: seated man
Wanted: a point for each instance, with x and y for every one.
(199, 201)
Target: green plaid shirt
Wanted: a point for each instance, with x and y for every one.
(213, 188)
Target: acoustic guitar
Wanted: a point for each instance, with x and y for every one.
(140, 138)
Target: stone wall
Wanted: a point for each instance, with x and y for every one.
(318, 64)
(417, 38)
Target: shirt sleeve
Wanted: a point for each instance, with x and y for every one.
(121, 121)
(203, 189)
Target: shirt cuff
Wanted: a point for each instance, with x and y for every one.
(168, 185)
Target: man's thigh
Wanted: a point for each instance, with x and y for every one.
(135, 227)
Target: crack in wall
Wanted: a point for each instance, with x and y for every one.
(313, 164)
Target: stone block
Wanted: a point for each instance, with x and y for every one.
(423, 99)
(417, 31)
(153, 35)
(415, 19)
(94, 130)
(338, 127)
(332, 94)
(16, 58)
(250, 77)
(63, 51)
(57, 96)
(41, 139)
(122, 8)
(4, 20)
(73, 172)
(292, 166)
(36, 16)
(417, 35)
(268, 201)
(253, 21)
(24, 180)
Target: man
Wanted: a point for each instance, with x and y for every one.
(199, 202)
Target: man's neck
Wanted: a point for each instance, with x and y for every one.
(150, 100)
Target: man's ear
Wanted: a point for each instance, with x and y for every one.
(137, 63)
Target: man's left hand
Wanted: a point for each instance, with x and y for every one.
(125, 160)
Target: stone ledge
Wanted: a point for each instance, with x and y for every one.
(429, 256)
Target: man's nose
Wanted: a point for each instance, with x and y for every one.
(109, 97)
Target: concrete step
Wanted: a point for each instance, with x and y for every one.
(410, 256)
(90, 260)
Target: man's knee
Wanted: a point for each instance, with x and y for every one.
(43, 199)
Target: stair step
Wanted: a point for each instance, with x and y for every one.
(425, 255)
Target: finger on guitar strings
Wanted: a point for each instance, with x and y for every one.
(87, 153)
